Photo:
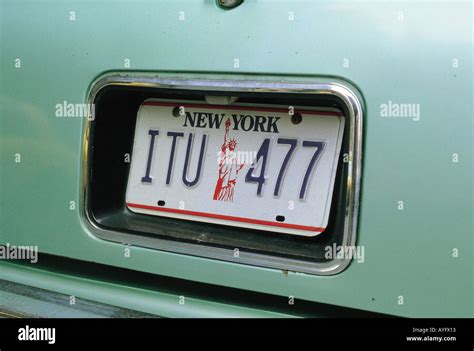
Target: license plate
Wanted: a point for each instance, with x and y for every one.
(252, 166)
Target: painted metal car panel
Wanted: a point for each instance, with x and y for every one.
(415, 221)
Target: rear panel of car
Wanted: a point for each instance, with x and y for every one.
(412, 175)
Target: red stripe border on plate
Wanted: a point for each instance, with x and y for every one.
(244, 108)
(228, 218)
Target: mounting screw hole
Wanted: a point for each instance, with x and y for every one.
(280, 218)
(296, 118)
(176, 111)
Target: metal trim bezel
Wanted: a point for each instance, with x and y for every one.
(346, 95)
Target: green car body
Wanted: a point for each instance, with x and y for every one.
(415, 208)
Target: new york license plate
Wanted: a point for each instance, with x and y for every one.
(253, 166)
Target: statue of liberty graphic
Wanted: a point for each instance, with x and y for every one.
(228, 168)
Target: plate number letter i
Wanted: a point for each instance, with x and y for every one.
(147, 178)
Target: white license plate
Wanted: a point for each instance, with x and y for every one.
(241, 165)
